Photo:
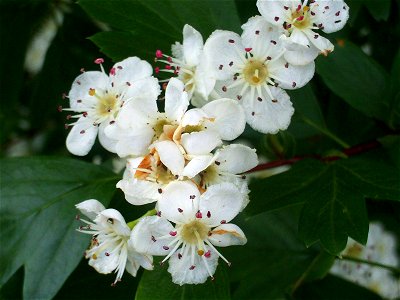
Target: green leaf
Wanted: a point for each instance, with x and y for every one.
(157, 284)
(308, 119)
(333, 195)
(333, 288)
(155, 24)
(273, 259)
(379, 9)
(357, 79)
(38, 226)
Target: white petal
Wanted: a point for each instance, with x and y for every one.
(177, 50)
(300, 55)
(105, 264)
(197, 164)
(82, 84)
(176, 100)
(263, 38)
(112, 218)
(204, 80)
(267, 116)
(143, 93)
(145, 235)
(236, 158)
(323, 44)
(290, 76)
(194, 116)
(130, 70)
(202, 142)
(298, 37)
(227, 235)
(274, 11)
(229, 117)
(220, 203)
(90, 208)
(136, 143)
(178, 201)
(81, 137)
(140, 192)
(108, 143)
(138, 111)
(136, 259)
(225, 52)
(192, 45)
(332, 14)
(171, 156)
(190, 268)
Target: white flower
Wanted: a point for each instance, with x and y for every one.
(140, 123)
(189, 64)
(144, 179)
(202, 222)
(249, 69)
(299, 20)
(380, 248)
(98, 98)
(109, 250)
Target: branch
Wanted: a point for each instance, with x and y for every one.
(355, 150)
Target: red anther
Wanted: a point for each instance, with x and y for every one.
(165, 247)
(157, 70)
(159, 213)
(199, 215)
(59, 108)
(179, 256)
(168, 67)
(68, 117)
(298, 7)
(169, 59)
(301, 18)
(159, 54)
(66, 126)
(82, 132)
(112, 71)
(223, 222)
(208, 214)
(248, 49)
(207, 254)
(180, 209)
(172, 233)
(176, 72)
(107, 254)
(98, 61)
(192, 267)
(84, 114)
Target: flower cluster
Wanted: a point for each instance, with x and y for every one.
(180, 157)
(380, 248)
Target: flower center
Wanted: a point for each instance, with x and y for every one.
(188, 79)
(301, 17)
(210, 175)
(163, 128)
(152, 169)
(106, 105)
(194, 232)
(255, 72)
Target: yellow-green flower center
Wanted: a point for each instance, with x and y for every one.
(255, 72)
(194, 232)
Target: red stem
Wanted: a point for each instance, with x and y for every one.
(357, 149)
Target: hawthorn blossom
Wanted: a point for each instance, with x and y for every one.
(97, 99)
(380, 248)
(252, 70)
(139, 124)
(187, 61)
(201, 223)
(109, 250)
(299, 20)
